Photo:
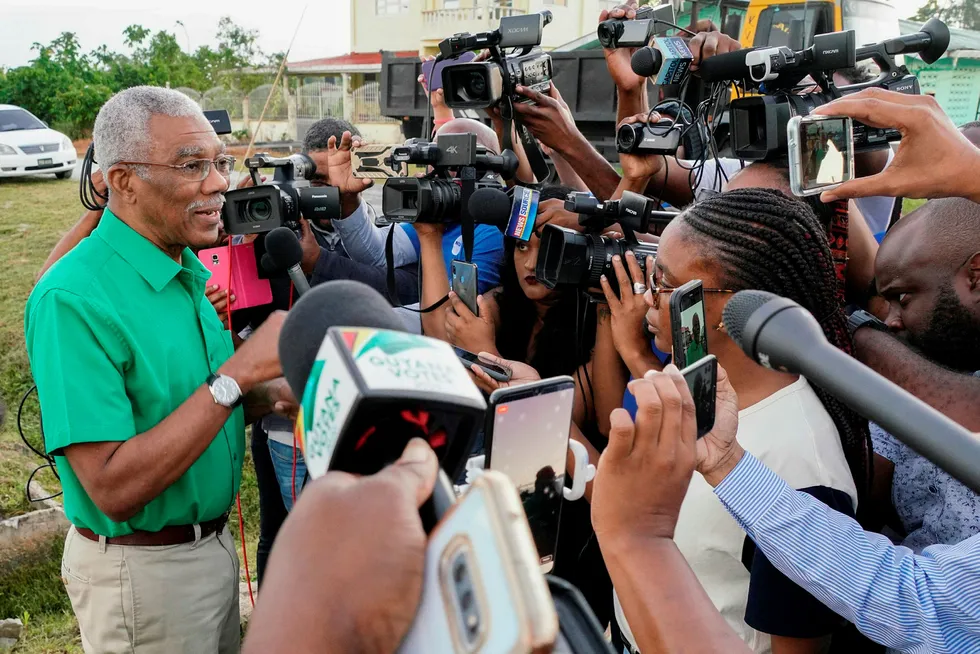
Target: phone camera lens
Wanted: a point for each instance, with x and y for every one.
(466, 600)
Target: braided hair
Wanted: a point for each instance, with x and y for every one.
(764, 240)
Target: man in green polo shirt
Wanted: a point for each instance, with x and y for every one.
(143, 398)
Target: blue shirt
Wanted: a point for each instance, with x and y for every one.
(917, 603)
(488, 251)
(629, 402)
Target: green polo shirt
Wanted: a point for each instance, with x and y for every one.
(119, 335)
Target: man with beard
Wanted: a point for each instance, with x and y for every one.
(928, 270)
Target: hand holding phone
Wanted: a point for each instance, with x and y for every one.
(702, 380)
(821, 153)
(496, 372)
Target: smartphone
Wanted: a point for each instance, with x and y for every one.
(373, 161)
(500, 373)
(432, 72)
(249, 289)
(688, 326)
(821, 153)
(482, 591)
(527, 439)
(464, 279)
(702, 380)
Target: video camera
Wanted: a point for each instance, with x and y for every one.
(263, 207)
(437, 197)
(484, 84)
(758, 123)
(636, 33)
(579, 259)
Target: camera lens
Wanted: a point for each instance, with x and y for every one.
(258, 210)
(626, 138)
(476, 86)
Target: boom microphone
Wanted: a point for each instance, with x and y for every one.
(366, 387)
(283, 248)
(724, 67)
(782, 335)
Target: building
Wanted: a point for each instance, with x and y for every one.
(954, 80)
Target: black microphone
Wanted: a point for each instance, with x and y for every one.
(725, 67)
(782, 335)
(930, 42)
(490, 206)
(286, 253)
(646, 61)
(366, 387)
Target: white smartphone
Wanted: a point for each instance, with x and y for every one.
(527, 440)
(482, 591)
(821, 153)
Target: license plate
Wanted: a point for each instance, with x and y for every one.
(44, 162)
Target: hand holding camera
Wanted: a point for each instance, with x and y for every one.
(548, 118)
(618, 59)
(638, 168)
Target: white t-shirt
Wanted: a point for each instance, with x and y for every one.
(790, 432)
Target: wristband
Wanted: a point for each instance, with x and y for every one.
(861, 318)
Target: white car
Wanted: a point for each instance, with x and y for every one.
(29, 147)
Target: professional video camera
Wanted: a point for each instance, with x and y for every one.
(484, 84)
(438, 197)
(758, 123)
(636, 33)
(580, 259)
(263, 207)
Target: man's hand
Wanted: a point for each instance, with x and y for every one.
(340, 173)
(553, 212)
(644, 472)
(311, 249)
(327, 544)
(618, 59)
(548, 118)
(933, 160)
(717, 451)
(521, 373)
(257, 360)
(219, 300)
(468, 331)
(639, 168)
(628, 308)
(709, 42)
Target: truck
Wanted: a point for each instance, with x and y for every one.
(580, 68)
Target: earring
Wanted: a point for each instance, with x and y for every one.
(720, 327)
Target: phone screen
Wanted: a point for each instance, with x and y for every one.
(529, 444)
(825, 153)
(690, 329)
(702, 381)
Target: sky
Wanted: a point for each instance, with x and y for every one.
(323, 32)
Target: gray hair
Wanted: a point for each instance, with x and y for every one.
(122, 127)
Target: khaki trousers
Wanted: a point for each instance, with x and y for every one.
(149, 600)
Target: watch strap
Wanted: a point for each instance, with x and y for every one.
(861, 318)
(211, 379)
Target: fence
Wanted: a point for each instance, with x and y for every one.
(367, 105)
(319, 99)
(277, 109)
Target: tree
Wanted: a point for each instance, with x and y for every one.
(964, 14)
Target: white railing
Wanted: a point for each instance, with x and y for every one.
(490, 14)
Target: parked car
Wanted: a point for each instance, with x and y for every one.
(29, 147)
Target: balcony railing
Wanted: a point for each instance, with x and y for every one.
(491, 15)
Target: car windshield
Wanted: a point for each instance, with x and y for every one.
(12, 120)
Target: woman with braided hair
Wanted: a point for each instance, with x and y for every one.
(761, 239)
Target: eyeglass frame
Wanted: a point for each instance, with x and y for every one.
(656, 290)
(207, 170)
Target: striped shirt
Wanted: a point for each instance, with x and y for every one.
(928, 602)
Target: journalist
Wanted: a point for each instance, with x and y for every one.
(143, 398)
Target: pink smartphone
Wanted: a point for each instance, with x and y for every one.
(249, 290)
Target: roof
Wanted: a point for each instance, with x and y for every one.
(354, 62)
(959, 39)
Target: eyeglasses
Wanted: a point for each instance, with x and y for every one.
(196, 170)
(657, 290)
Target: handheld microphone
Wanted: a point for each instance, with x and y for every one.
(780, 334)
(366, 387)
(670, 60)
(285, 252)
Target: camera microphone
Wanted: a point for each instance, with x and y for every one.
(366, 387)
(780, 334)
(285, 252)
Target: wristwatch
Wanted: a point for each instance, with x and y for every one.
(224, 390)
(861, 318)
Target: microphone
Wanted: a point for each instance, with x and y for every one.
(930, 41)
(285, 252)
(670, 60)
(366, 387)
(780, 334)
(513, 216)
(725, 67)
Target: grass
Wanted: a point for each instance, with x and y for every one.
(34, 214)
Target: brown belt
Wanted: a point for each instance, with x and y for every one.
(173, 535)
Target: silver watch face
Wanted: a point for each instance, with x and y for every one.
(225, 390)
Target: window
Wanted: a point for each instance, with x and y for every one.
(12, 120)
(391, 6)
(450, 4)
(560, 3)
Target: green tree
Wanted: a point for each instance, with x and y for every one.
(964, 14)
